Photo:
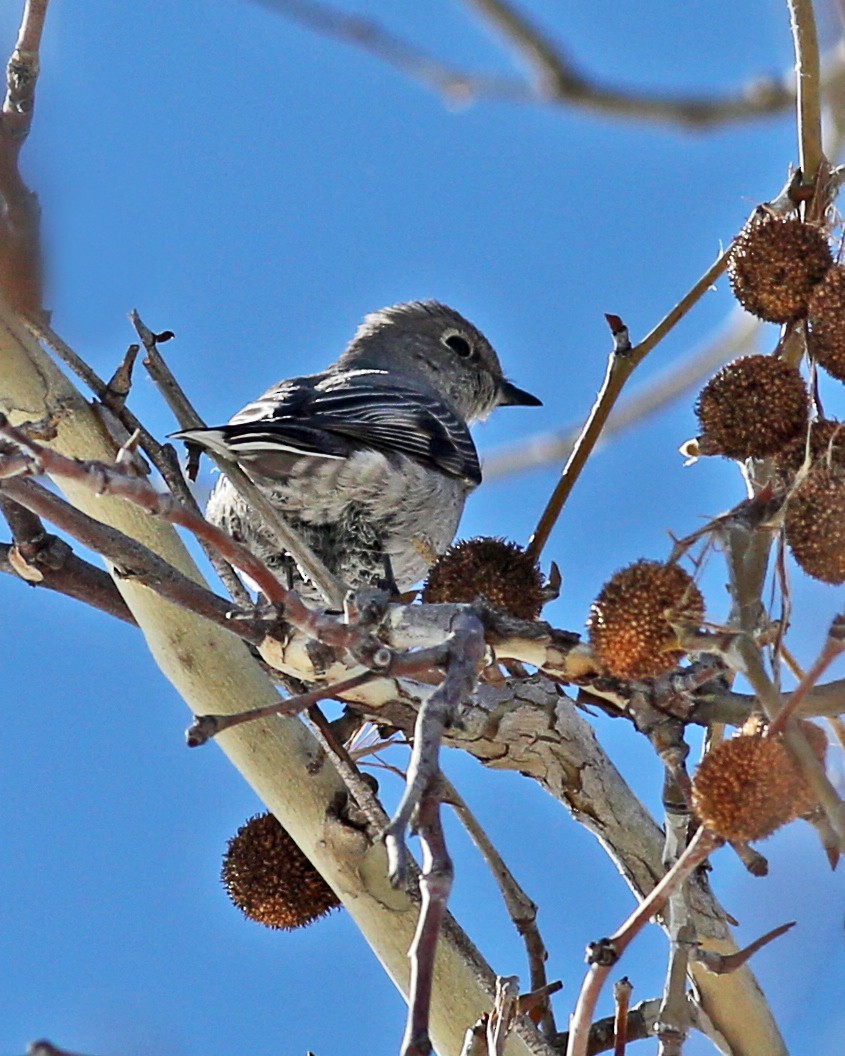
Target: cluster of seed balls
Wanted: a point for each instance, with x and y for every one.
(781, 269)
(746, 787)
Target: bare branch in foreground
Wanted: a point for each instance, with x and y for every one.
(465, 657)
(558, 80)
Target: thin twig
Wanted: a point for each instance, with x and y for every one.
(622, 990)
(204, 727)
(770, 700)
(663, 391)
(332, 589)
(808, 78)
(435, 885)
(20, 239)
(522, 909)
(724, 963)
(624, 359)
(833, 647)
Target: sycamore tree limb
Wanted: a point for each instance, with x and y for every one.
(214, 672)
(598, 802)
(582, 795)
(529, 727)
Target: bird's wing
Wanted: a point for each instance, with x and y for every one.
(333, 420)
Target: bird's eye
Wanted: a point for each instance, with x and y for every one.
(459, 344)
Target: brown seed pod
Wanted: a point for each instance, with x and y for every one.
(502, 572)
(827, 443)
(815, 523)
(752, 408)
(826, 315)
(270, 880)
(774, 265)
(746, 788)
(630, 622)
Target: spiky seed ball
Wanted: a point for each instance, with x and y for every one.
(746, 788)
(815, 523)
(752, 408)
(500, 571)
(270, 880)
(826, 314)
(630, 621)
(774, 265)
(827, 443)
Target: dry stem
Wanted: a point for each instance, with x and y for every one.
(624, 359)
(701, 845)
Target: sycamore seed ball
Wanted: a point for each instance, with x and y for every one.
(630, 622)
(827, 444)
(815, 523)
(752, 408)
(746, 788)
(499, 571)
(826, 315)
(775, 264)
(270, 880)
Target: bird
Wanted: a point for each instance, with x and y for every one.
(371, 460)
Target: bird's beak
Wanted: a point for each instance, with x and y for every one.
(511, 396)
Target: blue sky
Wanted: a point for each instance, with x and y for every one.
(257, 190)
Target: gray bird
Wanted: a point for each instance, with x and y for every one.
(371, 460)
